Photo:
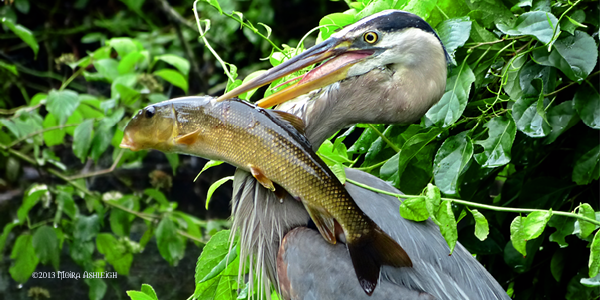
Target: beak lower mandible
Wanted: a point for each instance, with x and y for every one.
(327, 49)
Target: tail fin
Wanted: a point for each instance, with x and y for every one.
(370, 253)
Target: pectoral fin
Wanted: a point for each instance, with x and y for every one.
(188, 139)
(324, 222)
(258, 174)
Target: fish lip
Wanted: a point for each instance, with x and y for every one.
(127, 143)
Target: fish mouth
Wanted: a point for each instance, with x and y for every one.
(127, 143)
(339, 55)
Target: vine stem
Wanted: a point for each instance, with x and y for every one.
(210, 48)
(479, 205)
(568, 85)
(384, 138)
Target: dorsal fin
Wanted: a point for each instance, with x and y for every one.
(291, 119)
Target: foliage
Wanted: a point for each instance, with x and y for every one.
(515, 135)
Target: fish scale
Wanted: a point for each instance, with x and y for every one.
(270, 145)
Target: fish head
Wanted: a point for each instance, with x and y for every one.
(153, 127)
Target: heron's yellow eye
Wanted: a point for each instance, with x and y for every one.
(371, 37)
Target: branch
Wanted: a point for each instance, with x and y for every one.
(479, 205)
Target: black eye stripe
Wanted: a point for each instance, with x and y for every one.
(149, 112)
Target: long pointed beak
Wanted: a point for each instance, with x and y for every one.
(331, 71)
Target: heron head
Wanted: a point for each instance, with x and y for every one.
(390, 39)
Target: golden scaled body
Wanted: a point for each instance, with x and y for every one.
(270, 145)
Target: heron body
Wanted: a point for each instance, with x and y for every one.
(388, 68)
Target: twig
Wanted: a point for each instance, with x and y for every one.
(101, 172)
(568, 85)
(40, 132)
(479, 205)
(16, 109)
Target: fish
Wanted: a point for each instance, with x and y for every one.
(269, 144)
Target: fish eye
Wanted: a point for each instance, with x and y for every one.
(370, 37)
(149, 112)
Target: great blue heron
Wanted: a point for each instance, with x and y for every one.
(387, 68)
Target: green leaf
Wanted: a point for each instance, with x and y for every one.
(413, 146)
(173, 159)
(86, 228)
(218, 269)
(97, 288)
(447, 223)
(454, 33)
(67, 204)
(120, 221)
(62, 104)
(564, 226)
(173, 77)
(23, 33)
(587, 167)
(115, 252)
(594, 262)
(570, 23)
(209, 164)
(421, 8)
(215, 4)
(497, 147)
(586, 228)
(170, 245)
(213, 254)
(52, 137)
(32, 197)
(538, 24)
(123, 45)
(532, 71)
(158, 196)
(482, 228)
(450, 161)
(433, 199)
(149, 290)
(332, 156)
(587, 104)
(333, 22)
(5, 232)
(108, 68)
(127, 95)
(213, 187)
(82, 139)
(449, 109)
(489, 12)
(135, 295)
(414, 209)
(9, 67)
(372, 7)
(527, 228)
(557, 265)
(512, 86)
(561, 117)
(101, 141)
(46, 245)
(178, 62)
(25, 259)
(574, 55)
(22, 6)
(528, 120)
(126, 81)
(129, 62)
